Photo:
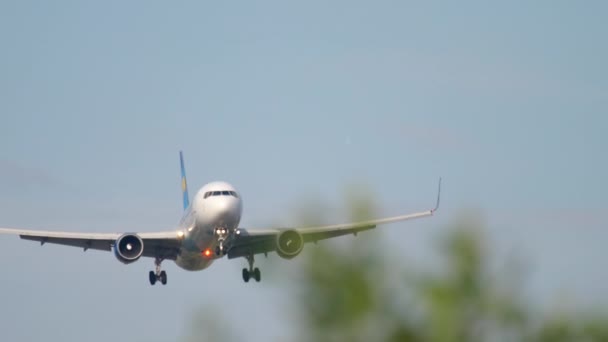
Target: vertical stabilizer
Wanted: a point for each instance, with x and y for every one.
(186, 198)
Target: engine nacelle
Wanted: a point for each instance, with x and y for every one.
(289, 243)
(128, 248)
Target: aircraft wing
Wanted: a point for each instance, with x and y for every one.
(250, 242)
(162, 244)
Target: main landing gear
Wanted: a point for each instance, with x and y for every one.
(158, 275)
(251, 272)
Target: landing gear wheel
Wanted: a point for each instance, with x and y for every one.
(218, 251)
(158, 275)
(251, 272)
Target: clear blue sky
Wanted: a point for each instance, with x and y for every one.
(507, 102)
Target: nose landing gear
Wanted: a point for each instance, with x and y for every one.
(221, 249)
(251, 272)
(222, 234)
(158, 275)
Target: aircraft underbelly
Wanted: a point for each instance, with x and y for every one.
(201, 237)
(191, 256)
(193, 261)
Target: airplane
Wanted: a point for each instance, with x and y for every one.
(208, 230)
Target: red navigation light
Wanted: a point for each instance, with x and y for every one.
(207, 252)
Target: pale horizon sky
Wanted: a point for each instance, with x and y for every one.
(506, 102)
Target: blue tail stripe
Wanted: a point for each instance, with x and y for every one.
(186, 198)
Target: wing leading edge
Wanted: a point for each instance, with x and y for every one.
(252, 242)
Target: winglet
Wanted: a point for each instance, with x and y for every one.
(186, 198)
(438, 197)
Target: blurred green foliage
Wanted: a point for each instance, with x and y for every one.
(351, 290)
(356, 294)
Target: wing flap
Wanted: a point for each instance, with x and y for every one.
(252, 242)
(164, 248)
(314, 236)
(258, 242)
(102, 242)
(264, 243)
(252, 247)
(102, 245)
(163, 245)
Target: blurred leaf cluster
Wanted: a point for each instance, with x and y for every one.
(355, 292)
(347, 295)
(352, 290)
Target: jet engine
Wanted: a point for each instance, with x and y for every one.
(128, 248)
(289, 243)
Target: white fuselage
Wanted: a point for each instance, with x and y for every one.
(211, 219)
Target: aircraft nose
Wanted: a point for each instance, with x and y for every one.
(225, 208)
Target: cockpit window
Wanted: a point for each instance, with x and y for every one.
(221, 193)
